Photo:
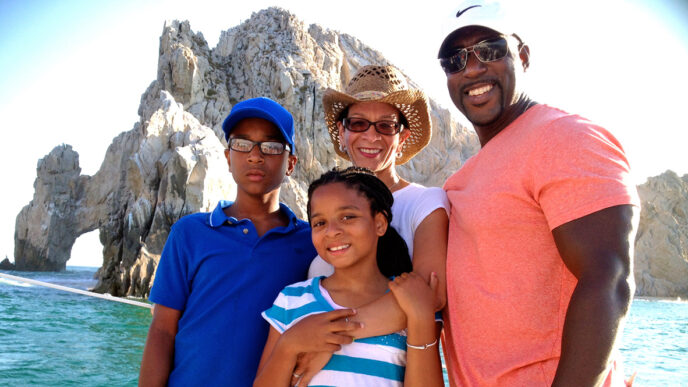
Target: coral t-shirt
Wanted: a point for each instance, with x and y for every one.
(507, 286)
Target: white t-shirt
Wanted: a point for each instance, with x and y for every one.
(412, 204)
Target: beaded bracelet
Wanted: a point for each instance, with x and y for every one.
(424, 346)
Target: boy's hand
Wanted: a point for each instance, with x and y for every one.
(415, 297)
(323, 332)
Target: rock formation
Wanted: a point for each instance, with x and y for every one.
(171, 164)
(661, 248)
(6, 264)
(150, 177)
(45, 233)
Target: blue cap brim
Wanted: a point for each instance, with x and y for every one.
(234, 117)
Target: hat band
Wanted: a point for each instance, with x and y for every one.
(369, 95)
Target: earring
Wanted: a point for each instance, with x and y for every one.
(399, 155)
(342, 148)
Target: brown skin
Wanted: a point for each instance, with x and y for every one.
(416, 297)
(258, 176)
(258, 179)
(158, 353)
(596, 248)
(384, 148)
(318, 333)
(345, 234)
(499, 107)
(384, 315)
(430, 238)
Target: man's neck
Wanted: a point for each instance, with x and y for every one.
(263, 211)
(510, 114)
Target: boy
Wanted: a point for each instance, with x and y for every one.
(220, 270)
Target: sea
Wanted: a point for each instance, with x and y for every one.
(50, 337)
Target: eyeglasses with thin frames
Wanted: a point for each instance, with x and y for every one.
(268, 148)
(489, 50)
(385, 127)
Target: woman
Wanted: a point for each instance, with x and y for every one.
(378, 122)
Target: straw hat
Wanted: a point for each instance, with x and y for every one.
(382, 84)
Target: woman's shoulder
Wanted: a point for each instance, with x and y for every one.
(415, 191)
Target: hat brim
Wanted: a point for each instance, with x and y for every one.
(251, 112)
(412, 104)
(446, 46)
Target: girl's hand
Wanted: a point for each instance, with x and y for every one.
(415, 297)
(323, 332)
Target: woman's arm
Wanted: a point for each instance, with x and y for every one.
(322, 332)
(384, 316)
(158, 353)
(416, 298)
(430, 251)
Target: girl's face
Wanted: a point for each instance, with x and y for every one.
(371, 149)
(344, 231)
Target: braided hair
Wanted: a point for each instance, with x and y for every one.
(392, 253)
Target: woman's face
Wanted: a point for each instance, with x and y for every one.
(371, 149)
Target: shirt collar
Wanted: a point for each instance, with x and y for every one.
(218, 217)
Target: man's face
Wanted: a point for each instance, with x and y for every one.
(483, 91)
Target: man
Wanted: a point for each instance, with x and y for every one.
(220, 270)
(543, 219)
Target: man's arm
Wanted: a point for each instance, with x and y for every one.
(158, 354)
(598, 250)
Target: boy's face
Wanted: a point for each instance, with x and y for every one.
(256, 173)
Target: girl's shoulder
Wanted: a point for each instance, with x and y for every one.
(301, 287)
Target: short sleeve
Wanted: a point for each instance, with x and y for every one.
(579, 168)
(288, 307)
(276, 316)
(171, 287)
(294, 303)
(426, 201)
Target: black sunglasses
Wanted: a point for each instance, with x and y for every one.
(386, 127)
(266, 147)
(486, 51)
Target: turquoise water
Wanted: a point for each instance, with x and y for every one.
(655, 343)
(49, 337)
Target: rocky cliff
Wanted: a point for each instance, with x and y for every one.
(661, 248)
(171, 164)
(150, 177)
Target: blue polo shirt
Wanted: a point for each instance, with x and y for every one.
(221, 275)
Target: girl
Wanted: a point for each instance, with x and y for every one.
(349, 212)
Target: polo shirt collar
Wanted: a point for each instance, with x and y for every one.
(218, 217)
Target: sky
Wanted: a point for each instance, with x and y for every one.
(73, 72)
